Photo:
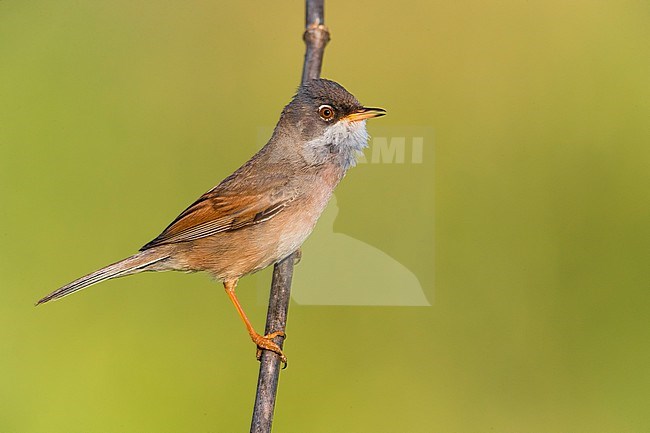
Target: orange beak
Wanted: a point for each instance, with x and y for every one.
(364, 113)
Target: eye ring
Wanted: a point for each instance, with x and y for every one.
(326, 112)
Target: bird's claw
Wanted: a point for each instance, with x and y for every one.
(297, 256)
(265, 342)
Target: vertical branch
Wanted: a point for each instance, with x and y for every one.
(316, 36)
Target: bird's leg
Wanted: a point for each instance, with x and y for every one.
(262, 341)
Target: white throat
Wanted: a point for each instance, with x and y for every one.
(344, 139)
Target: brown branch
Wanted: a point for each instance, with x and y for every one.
(316, 36)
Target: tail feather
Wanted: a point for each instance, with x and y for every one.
(130, 265)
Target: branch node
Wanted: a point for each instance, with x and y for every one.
(317, 34)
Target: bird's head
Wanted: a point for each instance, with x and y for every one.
(331, 122)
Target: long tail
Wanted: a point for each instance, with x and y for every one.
(131, 265)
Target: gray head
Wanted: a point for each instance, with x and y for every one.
(330, 121)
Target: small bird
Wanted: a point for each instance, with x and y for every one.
(266, 209)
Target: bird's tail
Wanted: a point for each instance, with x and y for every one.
(131, 265)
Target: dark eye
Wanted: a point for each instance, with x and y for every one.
(326, 112)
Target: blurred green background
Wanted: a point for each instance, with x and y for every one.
(114, 116)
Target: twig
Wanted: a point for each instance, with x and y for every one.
(267, 382)
(316, 36)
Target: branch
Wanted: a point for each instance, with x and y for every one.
(316, 36)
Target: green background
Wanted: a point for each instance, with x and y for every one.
(115, 115)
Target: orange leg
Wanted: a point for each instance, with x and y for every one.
(262, 341)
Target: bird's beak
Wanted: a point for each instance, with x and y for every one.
(364, 113)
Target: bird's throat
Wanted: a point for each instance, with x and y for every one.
(342, 142)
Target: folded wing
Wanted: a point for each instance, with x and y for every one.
(216, 212)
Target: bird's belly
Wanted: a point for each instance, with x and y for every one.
(287, 232)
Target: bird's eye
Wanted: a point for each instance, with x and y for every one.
(326, 112)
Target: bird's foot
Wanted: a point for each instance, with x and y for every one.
(297, 256)
(265, 342)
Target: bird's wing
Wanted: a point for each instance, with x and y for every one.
(219, 211)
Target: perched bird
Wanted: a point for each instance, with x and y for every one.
(265, 210)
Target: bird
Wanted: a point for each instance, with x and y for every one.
(264, 211)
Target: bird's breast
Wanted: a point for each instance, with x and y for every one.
(230, 255)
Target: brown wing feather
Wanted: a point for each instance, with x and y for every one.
(215, 213)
